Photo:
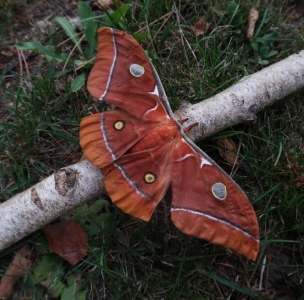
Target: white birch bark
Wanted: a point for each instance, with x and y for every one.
(49, 199)
(71, 186)
(242, 101)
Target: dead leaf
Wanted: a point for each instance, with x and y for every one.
(252, 18)
(17, 268)
(107, 4)
(290, 164)
(299, 181)
(296, 13)
(68, 240)
(200, 26)
(228, 151)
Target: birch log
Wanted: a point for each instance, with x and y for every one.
(242, 101)
(71, 186)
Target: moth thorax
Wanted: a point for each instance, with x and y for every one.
(219, 191)
(149, 177)
(119, 125)
(137, 70)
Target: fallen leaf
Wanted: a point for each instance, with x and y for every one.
(107, 4)
(252, 18)
(17, 268)
(68, 240)
(291, 164)
(200, 26)
(228, 151)
(299, 181)
(296, 13)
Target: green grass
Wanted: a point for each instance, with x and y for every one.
(131, 259)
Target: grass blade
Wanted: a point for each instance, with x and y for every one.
(70, 31)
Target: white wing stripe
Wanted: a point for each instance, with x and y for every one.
(112, 67)
(185, 157)
(152, 109)
(195, 212)
(155, 92)
(132, 182)
(205, 162)
(105, 136)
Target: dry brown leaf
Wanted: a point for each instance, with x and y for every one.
(252, 18)
(290, 164)
(17, 268)
(200, 26)
(300, 181)
(296, 13)
(108, 4)
(68, 240)
(228, 151)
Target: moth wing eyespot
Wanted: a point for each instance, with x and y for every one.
(219, 191)
(119, 125)
(137, 70)
(149, 178)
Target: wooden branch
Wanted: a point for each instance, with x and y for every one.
(241, 102)
(71, 186)
(49, 199)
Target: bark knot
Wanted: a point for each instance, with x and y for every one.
(237, 101)
(66, 180)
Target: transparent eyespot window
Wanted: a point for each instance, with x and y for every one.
(219, 191)
(149, 178)
(137, 70)
(119, 125)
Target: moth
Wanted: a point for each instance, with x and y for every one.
(142, 150)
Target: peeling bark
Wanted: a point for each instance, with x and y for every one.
(71, 186)
(36, 199)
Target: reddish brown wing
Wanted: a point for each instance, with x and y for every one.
(112, 79)
(127, 180)
(206, 202)
(103, 141)
(122, 76)
(208, 211)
